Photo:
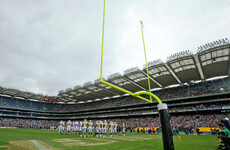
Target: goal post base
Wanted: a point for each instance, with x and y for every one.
(167, 134)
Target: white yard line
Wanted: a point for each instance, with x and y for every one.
(38, 145)
(3, 146)
(138, 146)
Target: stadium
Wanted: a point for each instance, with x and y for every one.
(181, 103)
(200, 93)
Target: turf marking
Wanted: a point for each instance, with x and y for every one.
(3, 146)
(84, 142)
(132, 138)
(67, 140)
(38, 145)
(22, 144)
(134, 147)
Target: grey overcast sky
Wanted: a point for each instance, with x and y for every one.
(50, 45)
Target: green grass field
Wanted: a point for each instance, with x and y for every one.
(49, 139)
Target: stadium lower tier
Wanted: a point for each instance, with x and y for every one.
(180, 122)
(194, 107)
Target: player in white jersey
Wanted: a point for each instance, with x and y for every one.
(63, 126)
(84, 128)
(60, 128)
(115, 128)
(101, 128)
(76, 127)
(80, 128)
(111, 128)
(123, 128)
(97, 127)
(73, 128)
(69, 123)
(105, 129)
(90, 128)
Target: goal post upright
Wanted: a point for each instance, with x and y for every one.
(146, 62)
(167, 135)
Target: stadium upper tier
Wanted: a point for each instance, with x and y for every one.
(211, 60)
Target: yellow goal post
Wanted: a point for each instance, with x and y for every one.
(137, 94)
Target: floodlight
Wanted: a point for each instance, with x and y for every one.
(220, 42)
(214, 43)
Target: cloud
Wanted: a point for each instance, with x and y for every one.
(47, 46)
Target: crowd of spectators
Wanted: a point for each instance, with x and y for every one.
(194, 107)
(27, 123)
(181, 121)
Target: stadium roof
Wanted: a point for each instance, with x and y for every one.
(211, 60)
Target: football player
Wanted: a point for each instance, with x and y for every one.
(111, 128)
(69, 123)
(84, 128)
(123, 128)
(90, 128)
(105, 129)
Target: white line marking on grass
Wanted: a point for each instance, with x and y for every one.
(68, 140)
(4, 146)
(139, 146)
(38, 145)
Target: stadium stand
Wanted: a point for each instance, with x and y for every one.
(125, 107)
(190, 96)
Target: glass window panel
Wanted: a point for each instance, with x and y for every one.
(177, 64)
(173, 65)
(214, 54)
(225, 52)
(206, 62)
(219, 53)
(225, 58)
(202, 57)
(186, 62)
(132, 77)
(209, 62)
(191, 61)
(182, 62)
(219, 59)
(161, 68)
(208, 56)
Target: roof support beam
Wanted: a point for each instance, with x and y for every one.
(14, 95)
(1, 91)
(153, 80)
(135, 83)
(172, 72)
(120, 87)
(31, 96)
(198, 65)
(111, 91)
(88, 96)
(28, 96)
(42, 97)
(93, 92)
